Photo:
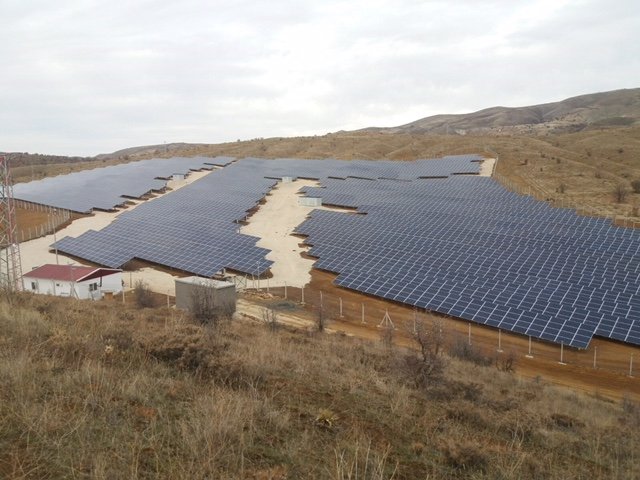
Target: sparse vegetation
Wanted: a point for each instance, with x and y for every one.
(270, 318)
(203, 307)
(635, 185)
(101, 390)
(620, 193)
(143, 296)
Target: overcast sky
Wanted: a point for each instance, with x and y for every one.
(82, 77)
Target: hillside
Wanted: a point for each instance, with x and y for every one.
(146, 393)
(597, 110)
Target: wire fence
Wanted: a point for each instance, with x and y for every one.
(564, 201)
(377, 315)
(52, 219)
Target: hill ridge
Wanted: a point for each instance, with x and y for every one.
(603, 109)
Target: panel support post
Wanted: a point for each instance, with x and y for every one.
(500, 340)
(341, 308)
(595, 354)
(469, 333)
(561, 362)
(529, 355)
(631, 365)
(362, 321)
(302, 301)
(285, 290)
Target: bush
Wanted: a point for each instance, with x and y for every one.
(466, 456)
(204, 309)
(635, 185)
(142, 295)
(428, 366)
(469, 353)
(620, 193)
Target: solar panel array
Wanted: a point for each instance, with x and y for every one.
(194, 229)
(467, 247)
(103, 188)
(460, 245)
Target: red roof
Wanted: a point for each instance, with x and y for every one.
(74, 273)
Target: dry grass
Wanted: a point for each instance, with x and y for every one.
(99, 390)
(590, 164)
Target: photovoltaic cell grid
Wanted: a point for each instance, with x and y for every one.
(194, 229)
(104, 188)
(463, 246)
(466, 247)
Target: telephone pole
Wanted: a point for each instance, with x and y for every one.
(10, 263)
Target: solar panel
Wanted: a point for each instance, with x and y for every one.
(105, 188)
(461, 245)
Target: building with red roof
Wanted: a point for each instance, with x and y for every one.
(76, 281)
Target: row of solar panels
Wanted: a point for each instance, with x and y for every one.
(463, 246)
(469, 248)
(105, 188)
(195, 228)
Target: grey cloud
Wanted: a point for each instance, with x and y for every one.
(94, 76)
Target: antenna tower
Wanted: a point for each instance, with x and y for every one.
(10, 264)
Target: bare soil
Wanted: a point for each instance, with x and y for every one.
(609, 379)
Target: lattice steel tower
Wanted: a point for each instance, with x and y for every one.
(10, 263)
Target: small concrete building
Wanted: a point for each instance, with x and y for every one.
(75, 281)
(310, 201)
(221, 294)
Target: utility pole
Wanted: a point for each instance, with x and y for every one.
(10, 263)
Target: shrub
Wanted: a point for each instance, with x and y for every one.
(428, 366)
(620, 193)
(142, 295)
(203, 307)
(469, 353)
(635, 185)
(465, 456)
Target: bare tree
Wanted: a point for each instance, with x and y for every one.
(429, 366)
(203, 306)
(321, 318)
(620, 193)
(270, 318)
(387, 334)
(142, 295)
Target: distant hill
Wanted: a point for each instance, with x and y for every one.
(606, 109)
(166, 149)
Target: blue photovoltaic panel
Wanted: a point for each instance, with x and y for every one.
(424, 234)
(467, 247)
(104, 188)
(195, 228)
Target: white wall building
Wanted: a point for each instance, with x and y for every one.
(75, 281)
